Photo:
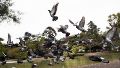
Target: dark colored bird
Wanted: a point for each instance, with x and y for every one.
(81, 24)
(53, 12)
(27, 36)
(63, 29)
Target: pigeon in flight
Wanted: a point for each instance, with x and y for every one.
(63, 29)
(81, 24)
(110, 35)
(53, 12)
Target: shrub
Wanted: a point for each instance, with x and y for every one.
(15, 53)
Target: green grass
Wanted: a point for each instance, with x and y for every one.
(24, 65)
(78, 61)
(111, 56)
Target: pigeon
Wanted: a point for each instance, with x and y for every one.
(110, 35)
(63, 29)
(81, 24)
(53, 12)
(9, 42)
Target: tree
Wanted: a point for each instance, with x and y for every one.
(93, 31)
(1, 39)
(114, 18)
(2, 49)
(8, 14)
(49, 32)
(27, 36)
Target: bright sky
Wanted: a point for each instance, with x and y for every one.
(36, 17)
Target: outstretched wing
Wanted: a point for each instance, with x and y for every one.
(9, 38)
(65, 27)
(71, 22)
(110, 33)
(54, 9)
(82, 22)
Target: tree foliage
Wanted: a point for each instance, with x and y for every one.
(93, 32)
(114, 18)
(2, 49)
(8, 14)
(49, 33)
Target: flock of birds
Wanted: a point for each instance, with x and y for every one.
(50, 34)
(64, 28)
(80, 26)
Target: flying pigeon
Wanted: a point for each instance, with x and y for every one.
(63, 29)
(53, 12)
(9, 42)
(81, 24)
(110, 35)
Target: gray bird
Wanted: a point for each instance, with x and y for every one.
(110, 35)
(81, 24)
(9, 42)
(63, 29)
(53, 12)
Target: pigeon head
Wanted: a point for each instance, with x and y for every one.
(83, 18)
(49, 11)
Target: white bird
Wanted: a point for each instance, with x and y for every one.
(81, 24)
(53, 12)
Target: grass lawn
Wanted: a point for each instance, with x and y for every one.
(69, 63)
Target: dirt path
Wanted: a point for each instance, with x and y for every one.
(34, 59)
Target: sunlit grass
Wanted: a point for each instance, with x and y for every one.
(111, 56)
